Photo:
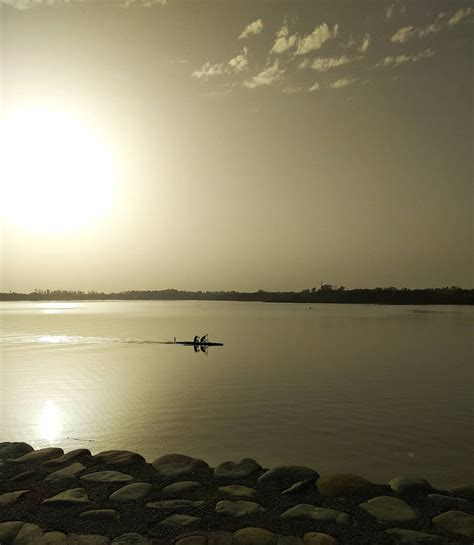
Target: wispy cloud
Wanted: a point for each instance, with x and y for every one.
(235, 65)
(252, 28)
(344, 82)
(323, 64)
(266, 77)
(402, 59)
(145, 3)
(283, 41)
(441, 22)
(315, 87)
(389, 11)
(292, 90)
(316, 39)
(365, 43)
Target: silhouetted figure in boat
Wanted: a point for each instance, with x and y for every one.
(204, 339)
(196, 339)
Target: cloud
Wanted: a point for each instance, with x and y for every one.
(266, 77)
(315, 87)
(402, 59)
(145, 3)
(25, 4)
(208, 70)
(291, 90)
(239, 62)
(235, 65)
(441, 22)
(389, 11)
(323, 64)
(252, 28)
(344, 82)
(365, 43)
(283, 41)
(316, 39)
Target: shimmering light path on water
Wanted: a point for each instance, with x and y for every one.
(374, 390)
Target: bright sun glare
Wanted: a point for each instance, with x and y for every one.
(56, 175)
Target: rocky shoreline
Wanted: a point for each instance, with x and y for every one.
(48, 497)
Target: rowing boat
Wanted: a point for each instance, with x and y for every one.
(191, 343)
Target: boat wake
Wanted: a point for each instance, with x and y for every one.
(65, 340)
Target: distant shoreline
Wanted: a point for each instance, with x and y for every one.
(327, 294)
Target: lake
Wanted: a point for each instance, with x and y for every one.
(375, 390)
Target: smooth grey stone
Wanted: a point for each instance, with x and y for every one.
(67, 472)
(182, 487)
(28, 535)
(343, 484)
(457, 522)
(87, 539)
(180, 520)
(73, 496)
(23, 476)
(284, 476)
(238, 509)
(410, 485)
(290, 540)
(9, 530)
(109, 515)
(175, 504)
(411, 537)
(389, 509)
(131, 492)
(130, 539)
(319, 538)
(9, 498)
(237, 490)
(305, 511)
(41, 455)
(254, 536)
(450, 501)
(300, 486)
(68, 457)
(107, 477)
(114, 457)
(237, 470)
(174, 466)
(14, 450)
(52, 538)
(197, 539)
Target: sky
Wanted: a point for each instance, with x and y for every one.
(236, 145)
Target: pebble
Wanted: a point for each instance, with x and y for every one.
(9, 498)
(289, 540)
(68, 457)
(344, 484)
(67, 498)
(52, 538)
(107, 477)
(41, 455)
(28, 535)
(130, 539)
(180, 520)
(131, 492)
(304, 511)
(411, 537)
(14, 450)
(237, 490)
(450, 501)
(284, 476)
(174, 466)
(237, 470)
(181, 487)
(175, 504)
(87, 539)
(254, 536)
(238, 509)
(114, 457)
(465, 490)
(318, 538)
(410, 485)
(300, 486)
(457, 522)
(9, 530)
(23, 476)
(66, 472)
(109, 515)
(389, 509)
(208, 538)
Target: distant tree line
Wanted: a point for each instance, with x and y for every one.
(326, 293)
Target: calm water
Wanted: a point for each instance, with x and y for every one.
(375, 390)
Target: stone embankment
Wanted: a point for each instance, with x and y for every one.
(48, 497)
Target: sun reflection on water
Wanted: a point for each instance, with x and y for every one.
(50, 422)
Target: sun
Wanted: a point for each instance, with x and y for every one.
(56, 174)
